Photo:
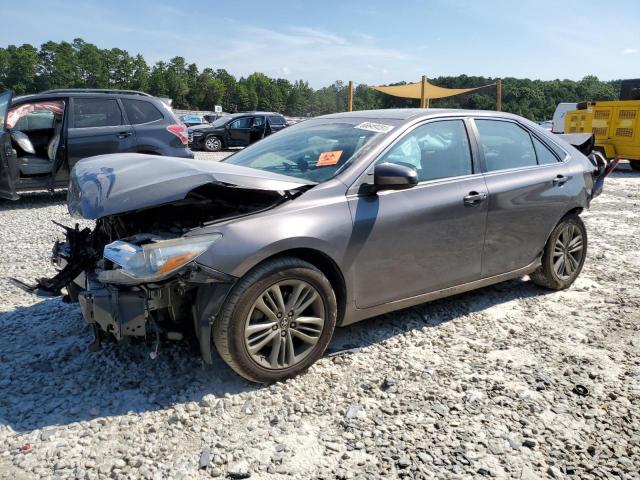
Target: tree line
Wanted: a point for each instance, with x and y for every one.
(79, 64)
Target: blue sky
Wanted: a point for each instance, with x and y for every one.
(373, 42)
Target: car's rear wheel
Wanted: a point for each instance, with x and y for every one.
(212, 144)
(564, 255)
(635, 165)
(277, 321)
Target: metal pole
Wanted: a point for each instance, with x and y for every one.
(499, 95)
(350, 97)
(423, 92)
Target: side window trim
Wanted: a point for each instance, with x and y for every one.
(548, 147)
(123, 112)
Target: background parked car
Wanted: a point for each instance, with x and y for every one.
(64, 126)
(191, 120)
(237, 130)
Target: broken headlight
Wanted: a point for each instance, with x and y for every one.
(154, 261)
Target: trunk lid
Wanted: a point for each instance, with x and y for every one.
(111, 184)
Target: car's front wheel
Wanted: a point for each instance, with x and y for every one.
(277, 321)
(212, 144)
(563, 255)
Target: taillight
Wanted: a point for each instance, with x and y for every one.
(179, 131)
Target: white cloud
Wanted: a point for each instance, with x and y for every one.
(319, 56)
(629, 51)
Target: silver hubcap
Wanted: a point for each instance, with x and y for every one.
(212, 143)
(568, 251)
(284, 324)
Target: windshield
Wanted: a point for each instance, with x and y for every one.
(221, 121)
(315, 150)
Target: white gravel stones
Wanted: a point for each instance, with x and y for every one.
(481, 384)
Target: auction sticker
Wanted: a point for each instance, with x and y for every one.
(374, 127)
(329, 158)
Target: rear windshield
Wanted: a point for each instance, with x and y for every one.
(315, 150)
(276, 120)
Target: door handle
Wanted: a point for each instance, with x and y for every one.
(124, 134)
(560, 180)
(474, 198)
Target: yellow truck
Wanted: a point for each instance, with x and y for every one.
(614, 123)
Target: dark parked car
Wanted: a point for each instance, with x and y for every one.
(44, 135)
(331, 221)
(237, 130)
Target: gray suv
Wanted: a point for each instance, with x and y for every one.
(329, 222)
(44, 135)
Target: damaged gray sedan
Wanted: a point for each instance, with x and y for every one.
(328, 222)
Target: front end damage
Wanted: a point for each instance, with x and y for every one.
(120, 306)
(137, 273)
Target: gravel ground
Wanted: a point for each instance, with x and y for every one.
(482, 384)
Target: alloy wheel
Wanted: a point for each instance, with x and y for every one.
(212, 144)
(284, 324)
(568, 251)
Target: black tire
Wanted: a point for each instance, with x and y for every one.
(230, 324)
(212, 143)
(635, 165)
(547, 275)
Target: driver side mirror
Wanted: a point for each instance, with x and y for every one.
(391, 176)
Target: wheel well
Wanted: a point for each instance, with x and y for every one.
(328, 267)
(576, 210)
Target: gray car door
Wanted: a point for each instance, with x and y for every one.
(529, 190)
(97, 127)
(428, 237)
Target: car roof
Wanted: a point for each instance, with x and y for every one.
(85, 92)
(239, 114)
(415, 113)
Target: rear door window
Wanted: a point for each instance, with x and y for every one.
(545, 156)
(505, 145)
(140, 111)
(96, 112)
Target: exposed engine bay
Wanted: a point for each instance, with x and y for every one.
(136, 273)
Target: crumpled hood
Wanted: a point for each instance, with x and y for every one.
(117, 183)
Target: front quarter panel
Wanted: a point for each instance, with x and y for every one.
(319, 219)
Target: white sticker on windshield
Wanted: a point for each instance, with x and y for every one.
(375, 127)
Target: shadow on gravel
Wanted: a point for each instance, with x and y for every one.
(48, 377)
(432, 314)
(34, 200)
